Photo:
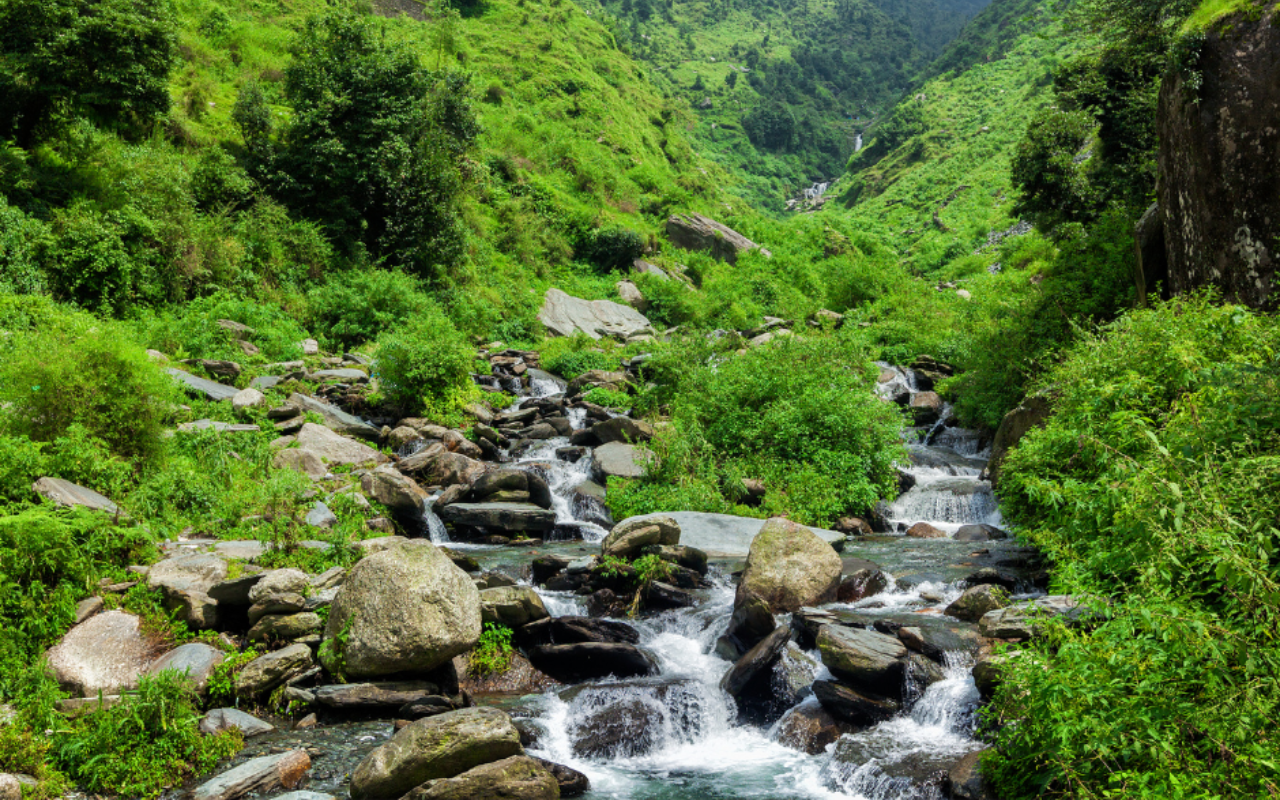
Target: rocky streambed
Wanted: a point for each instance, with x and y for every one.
(768, 661)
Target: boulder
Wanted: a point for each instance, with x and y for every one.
(382, 698)
(1218, 128)
(572, 783)
(333, 448)
(978, 533)
(1021, 621)
(810, 728)
(751, 621)
(923, 530)
(106, 653)
(788, 566)
(642, 267)
(629, 538)
(725, 535)
(597, 378)
(512, 778)
(925, 408)
(622, 429)
(435, 465)
(435, 748)
(68, 494)
(256, 776)
(619, 460)
(285, 627)
(564, 315)
(202, 387)
(401, 494)
(248, 398)
(571, 663)
(221, 719)
(10, 787)
(759, 658)
(408, 608)
(630, 294)
(865, 659)
(854, 706)
(336, 419)
(196, 660)
(185, 581)
(307, 462)
(501, 517)
(964, 780)
(1032, 413)
(987, 673)
(861, 584)
(512, 606)
(688, 557)
(977, 601)
(696, 232)
(265, 673)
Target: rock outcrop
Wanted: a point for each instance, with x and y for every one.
(565, 315)
(1218, 124)
(696, 232)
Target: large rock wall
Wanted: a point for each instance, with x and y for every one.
(1219, 161)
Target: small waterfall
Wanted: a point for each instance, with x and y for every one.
(857, 143)
(434, 525)
(816, 191)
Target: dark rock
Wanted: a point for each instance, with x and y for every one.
(688, 557)
(866, 659)
(964, 780)
(507, 517)
(759, 658)
(993, 577)
(861, 584)
(572, 783)
(811, 729)
(374, 697)
(571, 663)
(1032, 413)
(751, 622)
(978, 533)
(545, 566)
(923, 530)
(575, 630)
(853, 706)
(659, 595)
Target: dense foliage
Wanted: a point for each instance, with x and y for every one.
(1154, 488)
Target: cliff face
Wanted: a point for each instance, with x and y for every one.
(1219, 163)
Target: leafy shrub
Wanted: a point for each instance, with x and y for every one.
(426, 361)
(575, 356)
(218, 183)
(493, 652)
(192, 330)
(148, 742)
(601, 396)
(354, 307)
(98, 379)
(1153, 487)
(611, 248)
(22, 461)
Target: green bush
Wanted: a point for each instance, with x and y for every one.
(99, 379)
(425, 363)
(192, 331)
(601, 396)
(611, 248)
(22, 461)
(147, 743)
(493, 653)
(351, 308)
(570, 358)
(1155, 487)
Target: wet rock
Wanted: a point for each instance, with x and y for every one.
(622, 429)
(384, 697)
(513, 778)
(995, 577)
(106, 653)
(1022, 620)
(861, 584)
(808, 621)
(512, 606)
(964, 780)
(575, 630)
(506, 517)
(789, 566)
(572, 783)
(571, 663)
(435, 748)
(978, 533)
(565, 315)
(624, 720)
(619, 460)
(811, 729)
(923, 671)
(545, 566)
(263, 674)
(629, 538)
(67, 494)
(864, 658)
(660, 595)
(196, 660)
(759, 659)
(853, 526)
(977, 601)
(221, 719)
(334, 448)
(853, 706)
(752, 621)
(404, 609)
(264, 774)
(437, 466)
(925, 407)
(923, 530)
(915, 640)
(690, 558)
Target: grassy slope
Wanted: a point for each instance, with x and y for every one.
(973, 121)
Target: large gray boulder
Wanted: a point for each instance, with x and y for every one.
(333, 448)
(513, 778)
(629, 537)
(66, 493)
(512, 606)
(185, 581)
(106, 653)
(696, 232)
(265, 673)
(619, 460)
(789, 567)
(335, 418)
(866, 659)
(407, 609)
(434, 748)
(196, 660)
(565, 315)
(399, 493)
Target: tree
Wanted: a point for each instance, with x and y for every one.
(105, 59)
(731, 80)
(1055, 188)
(375, 147)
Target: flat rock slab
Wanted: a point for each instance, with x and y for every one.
(66, 493)
(570, 663)
(221, 719)
(334, 448)
(354, 375)
(620, 460)
(105, 653)
(723, 535)
(386, 696)
(500, 516)
(337, 419)
(222, 427)
(201, 386)
(264, 774)
(565, 315)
